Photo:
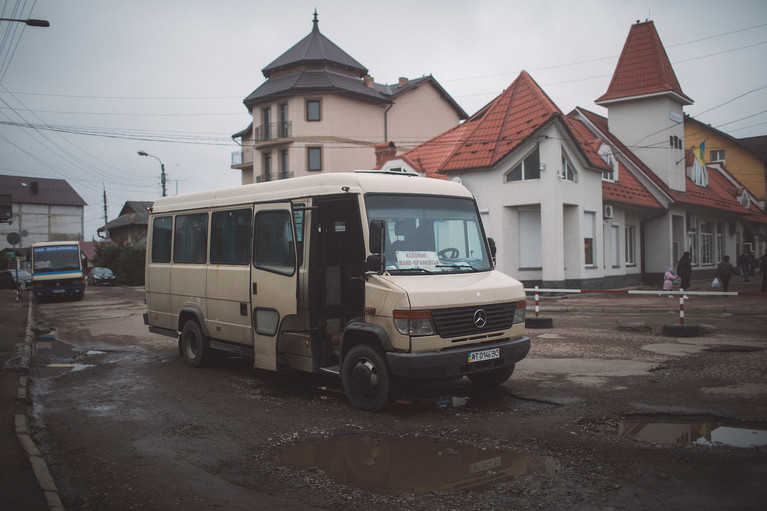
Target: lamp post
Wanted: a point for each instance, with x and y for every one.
(162, 168)
(30, 22)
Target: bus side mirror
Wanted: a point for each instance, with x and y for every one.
(493, 249)
(376, 262)
(377, 242)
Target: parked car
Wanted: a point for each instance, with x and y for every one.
(8, 279)
(101, 277)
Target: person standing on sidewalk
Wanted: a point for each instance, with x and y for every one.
(724, 271)
(763, 269)
(684, 270)
(744, 263)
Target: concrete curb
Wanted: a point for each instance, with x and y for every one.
(578, 308)
(36, 459)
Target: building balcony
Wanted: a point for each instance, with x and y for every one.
(272, 132)
(242, 158)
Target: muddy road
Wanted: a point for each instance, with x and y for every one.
(597, 417)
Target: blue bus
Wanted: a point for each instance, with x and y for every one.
(57, 270)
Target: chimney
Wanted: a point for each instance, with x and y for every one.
(403, 81)
(369, 81)
(385, 151)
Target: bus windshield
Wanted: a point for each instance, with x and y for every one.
(430, 234)
(56, 258)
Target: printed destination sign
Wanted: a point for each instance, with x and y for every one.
(417, 259)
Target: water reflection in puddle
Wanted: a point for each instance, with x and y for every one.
(410, 465)
(703, 433)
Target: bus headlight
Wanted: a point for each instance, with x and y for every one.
(519, 312)
(414, 323)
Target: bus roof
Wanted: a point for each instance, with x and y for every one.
(332, 183)
(54, 243)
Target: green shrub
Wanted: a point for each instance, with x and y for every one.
(126, 261)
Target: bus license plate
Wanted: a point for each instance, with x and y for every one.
(480, 356)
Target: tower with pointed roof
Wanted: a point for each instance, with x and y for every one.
(645, 102)
(320, 111)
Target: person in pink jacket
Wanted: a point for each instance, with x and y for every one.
(668, 281)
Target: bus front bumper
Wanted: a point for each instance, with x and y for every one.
(457, 362)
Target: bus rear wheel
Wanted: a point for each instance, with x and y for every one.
(366, 378)
(193, 344)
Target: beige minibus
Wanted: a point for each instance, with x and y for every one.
(377, 277)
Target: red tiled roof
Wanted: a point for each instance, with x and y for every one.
(497, 130)
(600, 123)
(628, 190)
(719, 194)
(643, 68)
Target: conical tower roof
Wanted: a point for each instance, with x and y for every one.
(643, 69)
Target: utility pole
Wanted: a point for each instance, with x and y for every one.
(106, 228)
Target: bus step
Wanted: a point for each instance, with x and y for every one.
(330, 370)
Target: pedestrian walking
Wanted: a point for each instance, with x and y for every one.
(668, 281)
(724, 271)
(684, 270)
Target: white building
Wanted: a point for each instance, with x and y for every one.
(43, 209)
(588, 201)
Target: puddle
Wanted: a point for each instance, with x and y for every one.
(397, 466)
(58, 357)
(701, 433)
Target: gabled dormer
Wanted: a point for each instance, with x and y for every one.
(645, 102)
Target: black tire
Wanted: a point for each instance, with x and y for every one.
(193, 345)
(492, 378)
(366, 378)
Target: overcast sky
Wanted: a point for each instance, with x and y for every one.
(109, 78)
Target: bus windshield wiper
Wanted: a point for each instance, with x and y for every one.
(464, 266)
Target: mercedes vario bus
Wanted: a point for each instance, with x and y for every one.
(374, 277)
(57, 270)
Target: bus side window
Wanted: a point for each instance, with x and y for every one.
(273, 248)
(190, 244)
(161, 239)
(230, 236)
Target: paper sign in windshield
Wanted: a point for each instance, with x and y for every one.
(417, 259)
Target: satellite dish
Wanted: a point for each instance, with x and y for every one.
(24, 233)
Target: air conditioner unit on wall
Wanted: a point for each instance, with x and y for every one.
(608, 211)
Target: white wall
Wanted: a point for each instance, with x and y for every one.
(644, 126)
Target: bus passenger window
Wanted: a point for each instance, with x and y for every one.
(191, 238)
(230, 236)
(161, 238)
(273, 248)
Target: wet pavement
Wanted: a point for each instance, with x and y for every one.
(594, 418)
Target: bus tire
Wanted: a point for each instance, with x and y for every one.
(492, 378)
(193, 344)
(366, 378)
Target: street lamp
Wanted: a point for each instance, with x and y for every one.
(162, 168)
(30, 22)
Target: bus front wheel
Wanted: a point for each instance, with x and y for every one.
(366, 378)
(194, 344)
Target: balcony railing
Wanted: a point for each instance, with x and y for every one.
(242, 157)
(272, 131)
(274, 176)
